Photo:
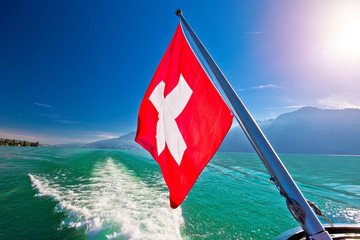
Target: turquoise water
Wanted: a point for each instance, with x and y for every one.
(59, 193)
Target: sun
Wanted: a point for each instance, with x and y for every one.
(343, 32)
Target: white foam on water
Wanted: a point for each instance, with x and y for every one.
(341, 213)
(113, 204)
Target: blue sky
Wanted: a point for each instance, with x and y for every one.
(76, 71)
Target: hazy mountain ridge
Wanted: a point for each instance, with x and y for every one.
(308, 130)
(126, 141)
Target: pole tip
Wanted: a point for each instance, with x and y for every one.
(178, 12)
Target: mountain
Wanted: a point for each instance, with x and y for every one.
(124, 142)
(308, 130)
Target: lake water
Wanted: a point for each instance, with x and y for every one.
(63, 193)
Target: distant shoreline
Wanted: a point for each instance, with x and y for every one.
(18, 143)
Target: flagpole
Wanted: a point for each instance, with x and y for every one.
(295, 201)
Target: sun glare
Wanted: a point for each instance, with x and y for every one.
(343, 35)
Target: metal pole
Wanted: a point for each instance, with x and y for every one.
(296, 202)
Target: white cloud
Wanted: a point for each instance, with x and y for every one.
(291, 107)
(67, 122)
(42, 105)
(253, 32)
(58, 118)
(288, 107)
(50, 115)
(265, 86)
(340, 101)
(106, 136)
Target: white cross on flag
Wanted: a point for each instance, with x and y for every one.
(182, 118)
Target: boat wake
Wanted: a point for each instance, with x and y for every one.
(112, 204)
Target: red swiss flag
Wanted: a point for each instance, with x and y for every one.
(182, 118)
